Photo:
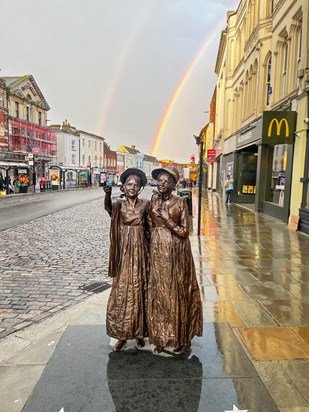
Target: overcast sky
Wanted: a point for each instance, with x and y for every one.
(111, 67)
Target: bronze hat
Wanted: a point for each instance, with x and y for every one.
(172, 171)
(133, 171)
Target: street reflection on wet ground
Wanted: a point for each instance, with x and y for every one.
(254, 275)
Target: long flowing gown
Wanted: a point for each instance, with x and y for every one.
(174, 301)
(128, 265)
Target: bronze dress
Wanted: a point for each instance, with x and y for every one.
(174, 301)
(128, 265)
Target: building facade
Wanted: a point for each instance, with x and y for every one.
(27, 145)
(92, 155)
(261, 67)
(110, 164)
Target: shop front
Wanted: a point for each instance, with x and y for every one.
(275, 161)
(67, 177)
(16, 176)
(96, 173)
(245, 163)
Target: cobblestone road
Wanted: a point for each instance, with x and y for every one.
(44, 263)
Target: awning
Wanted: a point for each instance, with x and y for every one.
(69, 168)
(8, 165)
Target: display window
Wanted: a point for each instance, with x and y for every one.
(277, 181)
(247, 178)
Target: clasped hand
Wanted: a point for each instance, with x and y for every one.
(163, 213)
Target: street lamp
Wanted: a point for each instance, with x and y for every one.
(200, 143)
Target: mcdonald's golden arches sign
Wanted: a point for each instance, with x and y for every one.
(278, 127)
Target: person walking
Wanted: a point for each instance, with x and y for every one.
(174, 301)
(128, 261)
(228, 184)
(2, 183)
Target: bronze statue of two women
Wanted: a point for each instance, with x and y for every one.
(155, 291)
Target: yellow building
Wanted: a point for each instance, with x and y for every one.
(262, 66)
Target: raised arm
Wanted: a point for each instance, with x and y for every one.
(108, 199)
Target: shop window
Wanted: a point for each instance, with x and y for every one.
(248, 174)
(277, 181)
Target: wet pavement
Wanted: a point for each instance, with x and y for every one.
(254, 276)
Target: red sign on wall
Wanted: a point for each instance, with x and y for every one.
(212, 154)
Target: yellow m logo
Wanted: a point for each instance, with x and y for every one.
(278, 127)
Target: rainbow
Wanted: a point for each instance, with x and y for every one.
(181, 84)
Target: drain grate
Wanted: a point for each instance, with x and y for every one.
(96, 287)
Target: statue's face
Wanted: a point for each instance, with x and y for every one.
(132, 186)
(166, 183)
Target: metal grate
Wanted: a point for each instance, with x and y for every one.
(96, 287)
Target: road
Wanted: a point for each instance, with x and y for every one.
(52, 246)
(20, 209)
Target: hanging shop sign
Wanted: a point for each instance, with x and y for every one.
(212, 154)
(278, 127)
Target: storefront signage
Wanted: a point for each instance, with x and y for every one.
(212, 154)
(250, 135)
(278, 127)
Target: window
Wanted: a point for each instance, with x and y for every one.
(73, 144)
(268, 81)
(40, 118)
(89, 160)
(100, 147)
(73, 158)
(272, 5)
(28, 114)
(17, 110)
(299, 40)
(89, 144)
(83, 160)
(95, 145)
(83, 142)
(284, 69)
(1, 101)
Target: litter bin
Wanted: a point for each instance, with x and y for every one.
(42, 185)
(186, 194)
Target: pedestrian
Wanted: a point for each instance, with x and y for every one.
(128, 261)
(174, 301)
(2, 183)
(228, 184)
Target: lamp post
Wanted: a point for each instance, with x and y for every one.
(200, 144)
